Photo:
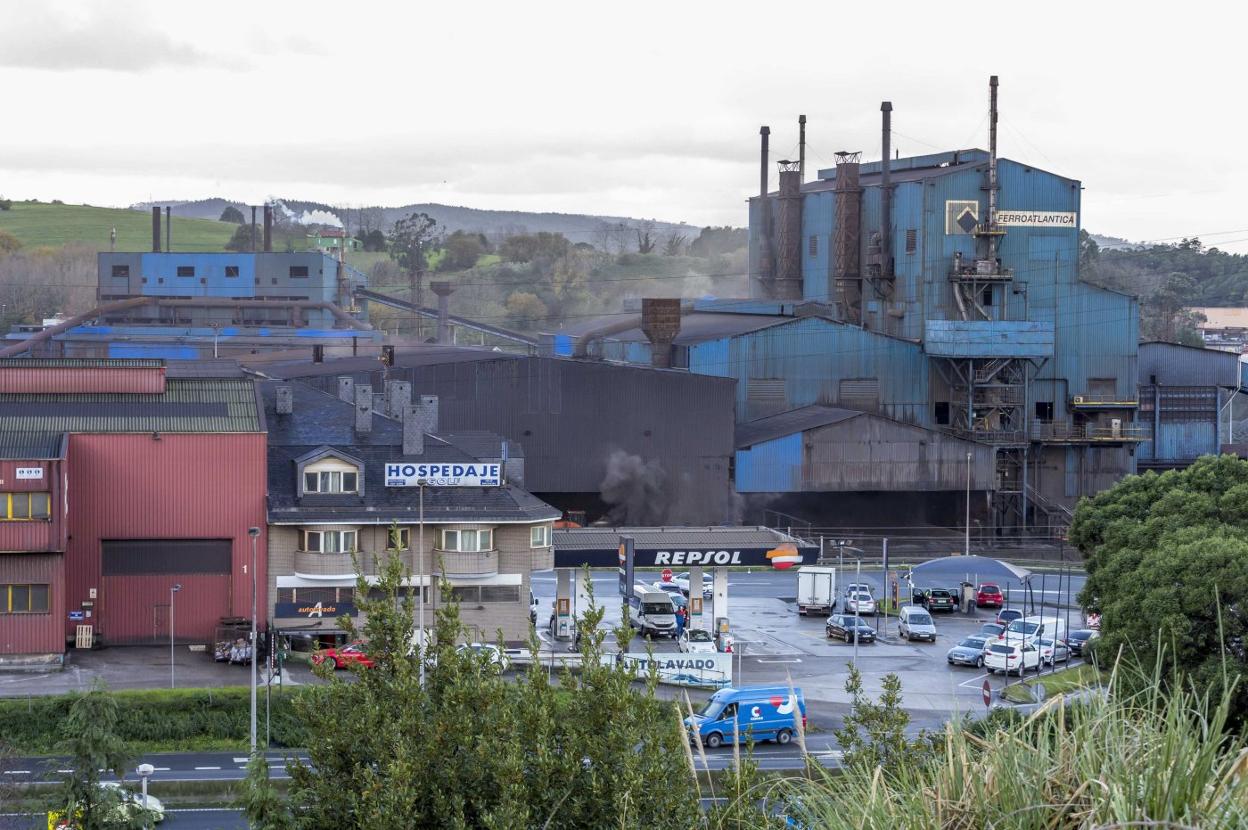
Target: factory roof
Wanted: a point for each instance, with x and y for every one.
(31, 446)
(583, 538)
(80, 363)
(695, 326)
(298, 365)
(787, 423)
(186, 405)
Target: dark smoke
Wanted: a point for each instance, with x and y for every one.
(643, 493)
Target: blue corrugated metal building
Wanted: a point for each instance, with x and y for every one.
(1189, 397)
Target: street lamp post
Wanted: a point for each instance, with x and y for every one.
(172, 590)
(420, 580)
(253, 532)
(145, 771)
(967, 544)
(857, 605)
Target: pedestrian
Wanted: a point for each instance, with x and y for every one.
(680, 621)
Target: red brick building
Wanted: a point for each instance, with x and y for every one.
(118, 480)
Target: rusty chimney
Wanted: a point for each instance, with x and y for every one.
(268, 228)
(846, 253)
(788, 282)
(886, 191)
(156, 230)
(660, 322)
(444, 290)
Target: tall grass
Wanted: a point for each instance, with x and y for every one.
(1150, 759)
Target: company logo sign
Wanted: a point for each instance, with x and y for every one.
(784, 556)
(29, 473)
(682, 669)
(1037, 219)
(697, 557)
(476, 474)
(314, 610)
(961, 217)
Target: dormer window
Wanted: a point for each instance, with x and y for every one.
(330, 481)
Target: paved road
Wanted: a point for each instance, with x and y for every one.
(179, 819)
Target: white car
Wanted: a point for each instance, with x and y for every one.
(1054, 651)
(857, 588)
(696, 641)
(860, 603)
(491, 652)
(1011, 658)
(133, 807)
(668, 587)
(681, 580)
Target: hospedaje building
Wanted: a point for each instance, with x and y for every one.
(342, 474)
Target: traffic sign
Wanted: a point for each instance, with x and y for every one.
(987, 694)
(667, 574)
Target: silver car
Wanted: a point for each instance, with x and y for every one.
(969, 652)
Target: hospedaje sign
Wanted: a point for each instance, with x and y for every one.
(475, 474)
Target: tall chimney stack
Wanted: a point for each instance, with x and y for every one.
(846, 254)
(253, 229)
(992, 170)
(886, 191)
(801, 148)
(764, 215)
(788, 281)
(444, 290)
(156, 230)
(363, 409)
(268, 228)
(169, 228)
(346, 388)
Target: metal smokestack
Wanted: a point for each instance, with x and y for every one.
(764, 217)
(169, 228)
(156, 230)
(253, 229)
(846, 256)
(443, 290)
(801, 147)
(992, 168)
(788, 281)
(886, 191)
(268, 228)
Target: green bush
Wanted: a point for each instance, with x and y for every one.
(158, 719)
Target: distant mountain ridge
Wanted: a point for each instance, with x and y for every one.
(578, 227)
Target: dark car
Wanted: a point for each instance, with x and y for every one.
(937, 599)
(1078, 640)
(1008, 615)
(849, 628)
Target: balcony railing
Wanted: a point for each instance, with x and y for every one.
(457, 563)
(1063, 433)
(543, 559)
(1102, 402)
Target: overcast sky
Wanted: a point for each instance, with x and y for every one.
(638, 109)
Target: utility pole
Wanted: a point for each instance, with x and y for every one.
(857, 604)
(967, 546)
(420, 579)
(253, 532)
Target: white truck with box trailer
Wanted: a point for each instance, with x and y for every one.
(816, 590)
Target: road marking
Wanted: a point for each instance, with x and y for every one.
(17, 772)
(207, 768)
(64, 771)
(761, 660)
(241, 760)
(161, 769)
(966, 684)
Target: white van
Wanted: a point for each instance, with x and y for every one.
(652, 612)
(914, 623)
(1030, 629)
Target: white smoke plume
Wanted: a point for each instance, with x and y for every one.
(307, 217)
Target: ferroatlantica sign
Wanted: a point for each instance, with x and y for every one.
(1037, 219)
(476, 474)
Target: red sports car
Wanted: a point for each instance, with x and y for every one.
(342, 656)
(989, 595)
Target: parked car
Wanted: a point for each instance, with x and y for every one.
(1008, 615)
(847, 627)
(1078, 640)
(533, 606)
(760, 714)
(1054, 651)
(914, 623)
(1011, 658)
(131, 810)
(937, 599)
(340, 657)
(991, 630)
(708, 584)
(696, 641)
(861, 602)
(491, 653)
(668, 588)
(857, 588)
(969, 652)
(988, 595)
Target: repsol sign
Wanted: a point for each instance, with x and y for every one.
(697, 557)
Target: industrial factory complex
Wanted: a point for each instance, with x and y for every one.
(918, 350)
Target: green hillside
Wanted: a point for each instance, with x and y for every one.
(39, 223)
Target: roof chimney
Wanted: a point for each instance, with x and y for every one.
(346, 388)
(413, 430)
(398, 397)
(444, 291)
(660, 322)
(156, 229)
(268, 228)
(285, 400)
(886, 190)
(169, 228)
(764, 215)
(430, 405)
(363, 409)
(788, 281)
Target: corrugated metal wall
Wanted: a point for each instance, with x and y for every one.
(1168, 364)
(183, 486)
(34, 633)
(34, 536)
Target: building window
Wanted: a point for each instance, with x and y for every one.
(186, 270)
(500, 593)
(25, 507)
(329, 541)
(1044, 410)
(122, 271)
(298, 271)
(814, 246)
(23, 599)
(466, 594)
(467, 541)
(987, 296)
(231, 270)
(330, 481)
(399, 538)
(539, 537)
(940, 411)
(912, 240)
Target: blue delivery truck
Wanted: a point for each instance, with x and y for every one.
(767, 713)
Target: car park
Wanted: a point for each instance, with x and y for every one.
(1029, 629)
(708, 584)
(1011, 657)
(988, 595)
(847, 627)
(1008, 615)
(914, 623)
(1054, 651)
(862, 603)
(339, 657)
(969, 652)
(696, 641)
(937, 599)
(1078, 640)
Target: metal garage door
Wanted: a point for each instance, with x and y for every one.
(133, 605)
